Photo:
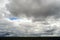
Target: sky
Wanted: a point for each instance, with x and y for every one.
(13, 18)
(29, 18)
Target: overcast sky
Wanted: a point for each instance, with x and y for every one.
(30, 17)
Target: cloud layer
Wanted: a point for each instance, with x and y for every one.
(33, 17)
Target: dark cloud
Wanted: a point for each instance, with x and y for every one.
(39, 9)
(34, 8)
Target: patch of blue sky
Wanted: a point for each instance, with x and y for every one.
(13, 18)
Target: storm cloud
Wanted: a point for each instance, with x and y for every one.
(34, 8)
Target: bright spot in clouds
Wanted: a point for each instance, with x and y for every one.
(20, 19)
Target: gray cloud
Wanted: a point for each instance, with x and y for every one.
(35, 8)
(40, 11)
